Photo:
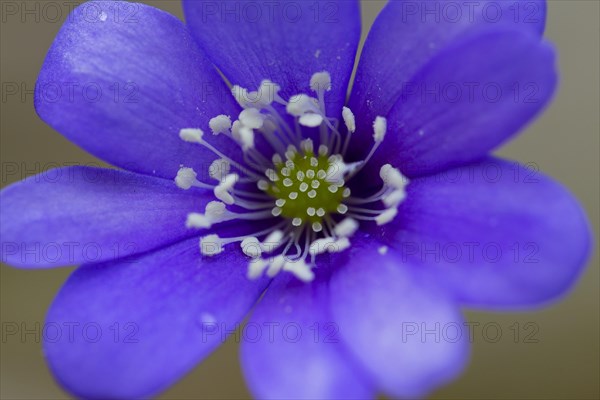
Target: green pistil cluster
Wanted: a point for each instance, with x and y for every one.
(303, 189)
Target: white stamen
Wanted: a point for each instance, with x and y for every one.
(276, 266)
(214, 209)
(221, 191)
(379, 128)
(256, 268)
(340, 245)
(386, 216)
(241, 96)
(321, 246)
(349, 120)
(252, 118)
(186, 177)
(346, 228)
(191, 135)
(394, 198)
(251, 247)
(311, 120)
(274, 240)
(246, 137)
(320, 81)
(219, 169)
(197, 220)
(300, 269)
(220, 124)
(393, 177)
(211, 245)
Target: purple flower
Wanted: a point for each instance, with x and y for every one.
(367, 223)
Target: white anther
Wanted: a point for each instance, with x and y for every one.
(379, 128)
(241, 96)
(312, 194)
(219, 169)
(211, 245)
(320, 212)
(303, 187)
(386, 216)
(393, 177)
(346, 228)
(339, 245)
(300, 175)
(323, 150)
(314, 162)
(197, 220)
(235, 130)
(220, 124)
(268, 92)
(311, 211)
(310, 174)
(300, 269)
(346, 193)
(317, 227)
(274, 239)
(320, 246)
(311, 120)
(252, 118)
(191, 135)
(251, 247)
(300, 104)
(262, 185)
(246, 138)
(315, 184)
(342, 209)
(221, 191)
(272, 175)
(394, 198)
(320, 81)
(275, 266)
(297, 221)
(321, 174)
(256, 268)
(186, 177)
(276, 211)
(290, 165)
(333, 189)
(307, 145)
(280, 202)
(349, 120)
(335, 172)
(214, 209)
(287, 182)
(285, 171)
(276, 159)
(293, 195)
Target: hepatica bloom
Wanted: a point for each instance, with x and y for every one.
(366, 220)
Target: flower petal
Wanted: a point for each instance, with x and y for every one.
(404, 331)
(80, 215)
(408, 34)
(134, 329)
(285, 41)
(291, 346)
(497, 234)
(122, 79)
(462, 104)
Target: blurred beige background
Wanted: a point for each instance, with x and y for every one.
(563, 364)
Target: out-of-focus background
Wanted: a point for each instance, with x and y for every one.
(561, 363)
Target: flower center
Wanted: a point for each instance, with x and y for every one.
(305, 187)
(302, 190)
